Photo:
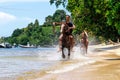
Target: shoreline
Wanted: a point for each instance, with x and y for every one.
(106, 66)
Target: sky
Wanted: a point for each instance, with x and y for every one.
(19, 13)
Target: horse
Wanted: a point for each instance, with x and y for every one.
(84, 42)
(67, 41)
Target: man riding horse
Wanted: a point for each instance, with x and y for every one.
(66, 39)
(70, 26)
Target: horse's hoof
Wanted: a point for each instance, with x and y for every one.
(68, 57)
(63, 56)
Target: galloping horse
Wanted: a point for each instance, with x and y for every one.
(67, 41)
(84, 41)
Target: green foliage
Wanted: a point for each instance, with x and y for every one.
(1, 39)
(101, 17)
(16, 32)
(34, 34)
(59, 2)
(48, 20)
(113, 14)
(58, 16)
(23, 39)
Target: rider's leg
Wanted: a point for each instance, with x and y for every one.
(72, 42)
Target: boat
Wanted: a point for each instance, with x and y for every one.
(1, 46)
(5, 45)
(27, 46)
(23, 46)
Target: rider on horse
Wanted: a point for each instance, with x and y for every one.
(70, 29)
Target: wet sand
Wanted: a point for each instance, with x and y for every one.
(106, 67)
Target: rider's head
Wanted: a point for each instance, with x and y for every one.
(67, 18)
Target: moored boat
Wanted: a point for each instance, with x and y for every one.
(23, 46)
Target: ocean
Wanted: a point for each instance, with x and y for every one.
(17, 61)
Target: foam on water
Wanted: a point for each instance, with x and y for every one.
(76, 56)
(53, 55)
(71, 67)
(50, 55)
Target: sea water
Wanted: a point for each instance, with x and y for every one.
(16, 61)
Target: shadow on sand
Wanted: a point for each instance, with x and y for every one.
(107, 48)
(113, 59)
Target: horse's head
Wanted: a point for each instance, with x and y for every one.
(84, 35)
(65, 29)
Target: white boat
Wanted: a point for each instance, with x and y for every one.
(23, 46)
(27, 46)
(5, 45)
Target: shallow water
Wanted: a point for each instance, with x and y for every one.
(18, 60)
(92, 66)
(15, 61)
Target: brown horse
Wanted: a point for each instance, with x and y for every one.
(84, 42)
(67, 41)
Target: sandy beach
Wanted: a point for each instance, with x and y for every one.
(105, 67)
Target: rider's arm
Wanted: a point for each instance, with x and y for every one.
(56, 23)
(73, 27)
(61, 30)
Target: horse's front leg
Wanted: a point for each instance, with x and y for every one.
(86, 46)
(69, 53)
(63, 55)
(86, 50)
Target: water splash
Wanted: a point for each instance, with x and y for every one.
(71, 67)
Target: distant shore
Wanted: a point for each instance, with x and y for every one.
(106, 67)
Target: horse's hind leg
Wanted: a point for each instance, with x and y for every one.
(63, 55)
(86, 47)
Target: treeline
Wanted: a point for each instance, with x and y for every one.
(99, 17)
(37, 34)
(58, 16)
